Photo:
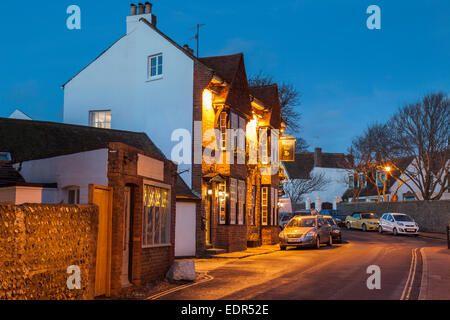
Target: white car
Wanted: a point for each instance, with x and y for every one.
(398, 223)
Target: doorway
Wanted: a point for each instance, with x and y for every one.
(127, 234)
(102, 197)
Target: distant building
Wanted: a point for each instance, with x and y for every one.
(333, 167)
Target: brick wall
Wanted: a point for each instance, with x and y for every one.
(37, 245)
(270, 235)
(147, 263)
(432, 216)
(231, 237)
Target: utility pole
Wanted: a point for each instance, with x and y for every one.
(197, 36)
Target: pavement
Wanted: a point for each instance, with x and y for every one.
(436, 274)
(411, 268)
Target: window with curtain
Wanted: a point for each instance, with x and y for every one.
(156, 218)
(100, 119)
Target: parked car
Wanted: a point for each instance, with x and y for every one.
(398, 223)
(305, 213)
(335, 230)
(366, 221)
(285, 217)
(306, 232)
(337, 216)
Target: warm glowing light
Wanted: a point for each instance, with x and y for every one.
(210, 192)
(388, 169)
(207, 99)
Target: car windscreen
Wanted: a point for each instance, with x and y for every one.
(307, 223)
(331, 221)
(369, 216)
(403, 218)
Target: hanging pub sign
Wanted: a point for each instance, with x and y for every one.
(287, 149)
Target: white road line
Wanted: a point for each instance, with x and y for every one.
(167, 292)
(412, 272)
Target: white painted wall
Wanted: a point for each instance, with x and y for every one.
(21, 194)
(405, 189)
(337, 184)
(79, 169)
(117, 81)
(185, 232)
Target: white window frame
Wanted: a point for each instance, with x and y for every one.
(146, 199)
(95, 121)
(158, 65)
(265, 206)
(242, 191)
(222, 189)
(76, 191)
(233, 200)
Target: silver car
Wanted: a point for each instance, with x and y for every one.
(309, 231)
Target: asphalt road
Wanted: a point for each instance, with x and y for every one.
(338, 272)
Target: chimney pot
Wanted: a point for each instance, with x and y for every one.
(318, 157)
(141, 8)
(133, 9)
(148, 7)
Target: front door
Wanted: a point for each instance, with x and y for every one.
(208, 219)
(102, 197)
(126, 238)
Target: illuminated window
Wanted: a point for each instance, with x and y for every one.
(100, 119)
(223, 129)
(222, 203)
(252, 213)
(156, 219)
(265, 206)
(155, 66)
(233, 200)
(241, 201)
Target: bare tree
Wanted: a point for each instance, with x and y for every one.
(421, 132)
(296, 189)
(289, 99)
(301, 145)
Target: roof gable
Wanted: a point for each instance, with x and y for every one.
(232, 69)
(269, 96)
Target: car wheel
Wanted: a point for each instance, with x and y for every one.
(395, 232)
(380, 229)
(349, 226)
(282, 248)
(364, 228)
(317, 243)
(330, 241)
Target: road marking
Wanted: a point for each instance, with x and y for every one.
(167, 292)
(424, 283)
(412, 273)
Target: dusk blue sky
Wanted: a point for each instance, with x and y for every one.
(349, 76)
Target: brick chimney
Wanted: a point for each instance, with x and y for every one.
(138, 12)
(186, 47)
(318, 157)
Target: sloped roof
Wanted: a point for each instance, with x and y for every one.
(184, 192)
(301, 167)
(304, 163)
(31, 140)
(232, 69)
(269, 96)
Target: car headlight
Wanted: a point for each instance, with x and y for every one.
(400, 224)
(310, 234)
(373, 223)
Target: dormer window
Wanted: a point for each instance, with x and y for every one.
(155, 66)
